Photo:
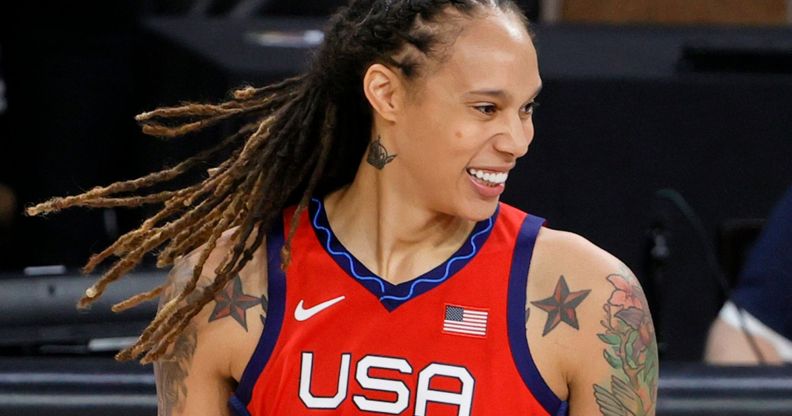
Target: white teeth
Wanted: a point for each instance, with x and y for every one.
(491, 177)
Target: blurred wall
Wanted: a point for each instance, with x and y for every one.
(735, 12)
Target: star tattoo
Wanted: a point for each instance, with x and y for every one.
(232, 302)
(560, 307)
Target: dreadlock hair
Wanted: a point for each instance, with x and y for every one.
(303, 136)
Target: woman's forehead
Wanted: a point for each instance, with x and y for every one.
(492, 52)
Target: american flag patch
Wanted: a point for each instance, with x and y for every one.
(465, 321)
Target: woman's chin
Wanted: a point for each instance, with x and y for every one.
(479, 210)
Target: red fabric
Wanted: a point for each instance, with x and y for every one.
(360, 325)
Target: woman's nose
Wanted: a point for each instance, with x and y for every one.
(518, 136)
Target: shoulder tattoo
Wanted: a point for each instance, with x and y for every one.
(233, 302)
(630, 350)
(560, 306)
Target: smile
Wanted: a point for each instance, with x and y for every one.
(488, 178)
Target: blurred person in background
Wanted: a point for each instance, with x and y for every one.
(764, 293)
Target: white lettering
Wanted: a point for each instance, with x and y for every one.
(463, 399)
(372, 383)
(313, 402)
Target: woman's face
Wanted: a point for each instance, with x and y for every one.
(462, 133)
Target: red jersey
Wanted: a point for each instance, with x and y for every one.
(338, 339)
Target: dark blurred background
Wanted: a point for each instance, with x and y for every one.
(655, 115)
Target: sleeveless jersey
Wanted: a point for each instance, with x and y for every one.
(340, 340)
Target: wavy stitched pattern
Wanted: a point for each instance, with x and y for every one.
(474, 249)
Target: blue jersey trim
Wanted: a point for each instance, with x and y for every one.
(521, 353)
(392, 296)
(276, 293)
(563, 410)
(237, 408)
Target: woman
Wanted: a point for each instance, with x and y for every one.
(351, 254)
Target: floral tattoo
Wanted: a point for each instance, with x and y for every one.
(631, 351)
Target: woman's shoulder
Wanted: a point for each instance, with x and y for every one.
(205, 359)
(567, 253)
(573, 285)
(229, 325)
(254, 273)
(567, 262)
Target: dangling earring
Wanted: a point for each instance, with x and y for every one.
(378, 155)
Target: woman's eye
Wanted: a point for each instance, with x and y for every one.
(531, 107)
(485, 109)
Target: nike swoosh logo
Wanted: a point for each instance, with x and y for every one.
(302, 314)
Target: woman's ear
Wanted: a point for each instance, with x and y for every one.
(384, 91)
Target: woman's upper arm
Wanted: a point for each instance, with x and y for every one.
(602, 336)
(188, 382)
(616, 369)
(196, 374)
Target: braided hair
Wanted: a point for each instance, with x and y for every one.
(303, 136)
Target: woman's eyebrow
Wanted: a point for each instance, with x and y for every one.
(490, 92)
(499, 93)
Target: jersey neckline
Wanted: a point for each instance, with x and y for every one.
(392, 296)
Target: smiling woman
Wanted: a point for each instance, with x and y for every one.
(352, 254)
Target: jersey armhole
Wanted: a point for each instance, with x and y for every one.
(276, 300)
(518, 342)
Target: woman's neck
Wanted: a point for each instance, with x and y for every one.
(393, 235)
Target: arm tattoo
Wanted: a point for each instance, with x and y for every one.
(560, 307)
(231, 301)
(378, 155)
(171, 371)
(631, 351)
